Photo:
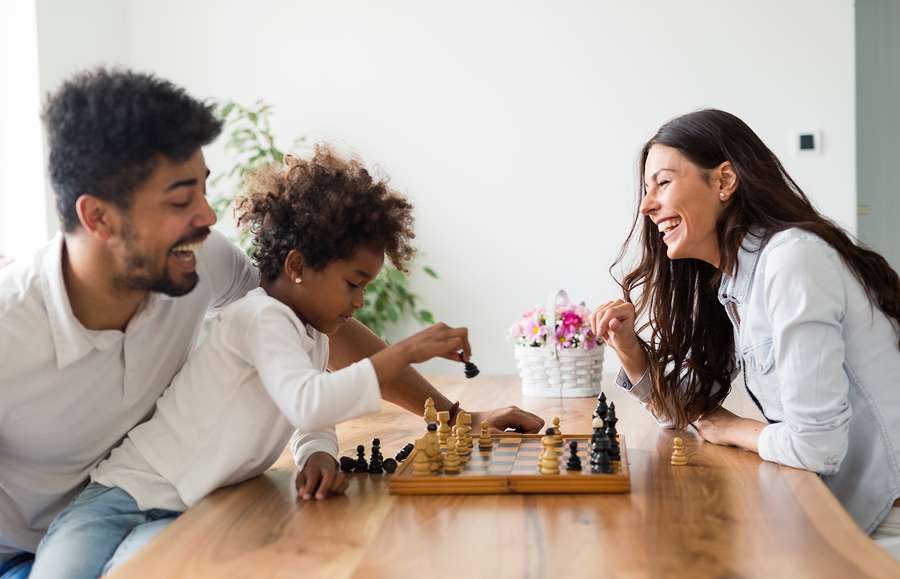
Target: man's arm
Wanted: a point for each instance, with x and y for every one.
(354, 341)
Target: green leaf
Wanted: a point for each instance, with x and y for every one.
(430, 272)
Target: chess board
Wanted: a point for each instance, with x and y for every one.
(511, 466)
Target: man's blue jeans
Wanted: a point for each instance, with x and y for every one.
(101, 529)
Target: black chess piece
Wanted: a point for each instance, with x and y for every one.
(347, 463)
(404, 452)
(600, 463)
(550, 431)
(471, 369)
(361, 464)
(574, 462)
(614, 450)
(376, 449)
(602, 408)
(376, 461)
(390, 465)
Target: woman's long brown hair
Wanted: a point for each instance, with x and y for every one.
(691, 343)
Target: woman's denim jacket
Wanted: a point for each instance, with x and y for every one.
(822, 363)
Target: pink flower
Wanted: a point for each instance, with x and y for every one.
(571, 320)
(534, 329)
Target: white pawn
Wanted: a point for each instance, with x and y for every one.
(421, 464)
(451, 461)
(485, 442)
(679, 457)
(549, 463)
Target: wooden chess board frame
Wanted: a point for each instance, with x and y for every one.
(403, 482)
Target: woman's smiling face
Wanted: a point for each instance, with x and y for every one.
(685, 201)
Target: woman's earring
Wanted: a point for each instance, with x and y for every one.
(722, 196)
(298, 280)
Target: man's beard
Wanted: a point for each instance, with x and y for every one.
(138, 277)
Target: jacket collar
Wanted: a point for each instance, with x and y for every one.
(735, 286)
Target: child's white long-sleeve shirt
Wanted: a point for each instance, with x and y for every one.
(230, 411)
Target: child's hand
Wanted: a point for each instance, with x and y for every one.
(438, 340)
(320, 477)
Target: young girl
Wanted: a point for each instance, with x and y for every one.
(321, 229)
(740, 274)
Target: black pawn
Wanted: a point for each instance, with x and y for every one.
(611, 434)
(347, 464)
(390, 465)
(574, 463)
(361, 464)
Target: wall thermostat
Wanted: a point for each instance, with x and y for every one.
(807, 142)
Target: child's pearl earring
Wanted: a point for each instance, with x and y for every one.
(298, 280)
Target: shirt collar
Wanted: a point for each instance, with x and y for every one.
(71, 340)
(735, 286)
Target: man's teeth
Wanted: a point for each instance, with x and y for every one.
(668, 225)
(188, 247)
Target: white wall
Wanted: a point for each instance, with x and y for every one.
(22, 200)
(514, 126)
(71, 37)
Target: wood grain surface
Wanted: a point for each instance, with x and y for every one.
(726, 514)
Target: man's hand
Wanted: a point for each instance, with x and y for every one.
(509, 417)
(724, 427)
(320, 477)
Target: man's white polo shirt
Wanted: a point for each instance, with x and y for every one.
(68, 394)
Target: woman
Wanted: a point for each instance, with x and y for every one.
(740, 274)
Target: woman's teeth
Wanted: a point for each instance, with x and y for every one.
(668, 225)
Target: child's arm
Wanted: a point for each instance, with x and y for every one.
(310, 398)
(315, 454)
(438, 340)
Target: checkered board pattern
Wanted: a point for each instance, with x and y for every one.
(511, 466)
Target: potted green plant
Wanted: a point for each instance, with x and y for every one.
(252, 144)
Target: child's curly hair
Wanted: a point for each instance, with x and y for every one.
(326, 208)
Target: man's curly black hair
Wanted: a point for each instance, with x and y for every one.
(106, 129)
(325, 208)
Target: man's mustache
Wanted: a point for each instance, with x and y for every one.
(195, 237)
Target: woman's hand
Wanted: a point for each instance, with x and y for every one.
(724, 427)
(614, 322)
(320, 477)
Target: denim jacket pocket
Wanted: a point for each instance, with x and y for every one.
(760, 357)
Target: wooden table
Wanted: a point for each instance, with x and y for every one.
(727, 514)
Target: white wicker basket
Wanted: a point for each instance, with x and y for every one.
(551, 372)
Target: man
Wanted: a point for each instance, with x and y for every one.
(93, 329)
